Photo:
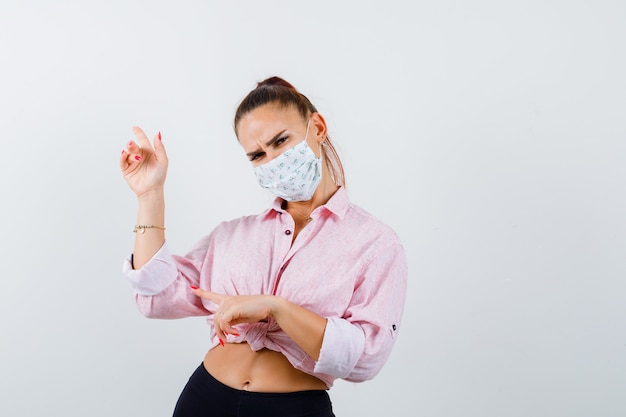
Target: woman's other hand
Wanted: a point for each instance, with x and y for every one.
(305, 327)
(236, 309)
(143, 165)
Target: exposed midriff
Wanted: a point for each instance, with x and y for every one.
(239, 367)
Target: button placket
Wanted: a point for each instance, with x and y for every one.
(283, 254)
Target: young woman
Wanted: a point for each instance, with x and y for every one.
(308, 291)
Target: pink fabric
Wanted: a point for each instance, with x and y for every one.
(345, 265)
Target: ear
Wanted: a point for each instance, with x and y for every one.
(319, 126)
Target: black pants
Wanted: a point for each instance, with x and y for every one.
(204, 396)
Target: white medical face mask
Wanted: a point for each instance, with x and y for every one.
(294, 175)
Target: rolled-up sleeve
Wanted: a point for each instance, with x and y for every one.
(357, 345)
(162, 286)
(155, 276)
(341, 349)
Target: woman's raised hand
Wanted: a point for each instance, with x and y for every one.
(143, 165)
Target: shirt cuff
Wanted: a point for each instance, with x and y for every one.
(155, 276)
(342, 347)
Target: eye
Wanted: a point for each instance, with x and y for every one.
(256, 156)
(280, 141)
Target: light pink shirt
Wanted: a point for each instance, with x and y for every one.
(345, 265)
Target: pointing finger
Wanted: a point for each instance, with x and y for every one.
(208, 295)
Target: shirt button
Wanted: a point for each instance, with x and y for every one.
(287, 232)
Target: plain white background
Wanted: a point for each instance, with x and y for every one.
(489, 134)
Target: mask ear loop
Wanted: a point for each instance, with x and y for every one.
(306, 135)
(321, 147)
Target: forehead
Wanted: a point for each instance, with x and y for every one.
(265, 121)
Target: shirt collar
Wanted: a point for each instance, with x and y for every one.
(338, 204)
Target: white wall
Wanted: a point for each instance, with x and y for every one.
(489, 134)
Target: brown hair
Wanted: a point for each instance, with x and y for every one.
(275, 90)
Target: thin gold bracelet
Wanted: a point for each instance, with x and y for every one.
(142, 227)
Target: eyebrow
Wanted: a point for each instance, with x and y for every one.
(268, 143)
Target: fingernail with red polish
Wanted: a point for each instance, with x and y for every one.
(138, 158)
(222, 342)
(159, 135)
(193, 287)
